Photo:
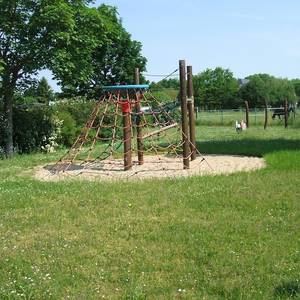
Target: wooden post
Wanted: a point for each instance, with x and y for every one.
(136, 76)
(184, 119)
(127, 134)
(159, 131)
(190, 106)
(266, 114)
(139, 132)
(222, 116)
(247, 113)
(286, 113)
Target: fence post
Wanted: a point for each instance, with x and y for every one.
(184, 120)
(266, 114)
(286, 113)
(222, 117)
(247, 113)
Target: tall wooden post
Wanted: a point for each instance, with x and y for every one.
(266, 114)
(286, 113)
(247, 113)
(190, 106)
(184, 119)
(139, 133)
(127, 134)
(136, 76)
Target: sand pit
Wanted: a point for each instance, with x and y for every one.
(154, 167)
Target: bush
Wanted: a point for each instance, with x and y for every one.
(79, 108)
(69, 131)
(74, 113)
(35, 129)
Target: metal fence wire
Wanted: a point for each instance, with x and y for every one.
(230, 116)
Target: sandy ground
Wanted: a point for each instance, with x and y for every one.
(154, 166)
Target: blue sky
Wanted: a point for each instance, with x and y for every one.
(245, 36)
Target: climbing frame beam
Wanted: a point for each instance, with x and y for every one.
(190, 106)
(139, 131)
(184, 117)
(127, 133)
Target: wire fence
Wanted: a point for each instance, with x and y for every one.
(230, 116)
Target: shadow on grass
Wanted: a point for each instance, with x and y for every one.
(289, 289)
(249, 147)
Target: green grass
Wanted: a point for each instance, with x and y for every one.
(221, 237)
(228, 118)
(255, 141)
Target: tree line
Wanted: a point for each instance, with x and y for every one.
(218, 88)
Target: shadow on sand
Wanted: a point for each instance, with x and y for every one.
(55, 168)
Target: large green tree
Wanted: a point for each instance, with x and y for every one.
(38, 92)
(166, 90)
(83, 46)
(257, 90)
(283, 90)
(296, 84)
(172, 83)
(111, 61)
(44, 92)
(216, 88)
(263, 88)
(31, 31)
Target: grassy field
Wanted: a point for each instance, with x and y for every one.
(213, 237)
(256, 117)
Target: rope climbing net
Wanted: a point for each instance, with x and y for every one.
(128, 129)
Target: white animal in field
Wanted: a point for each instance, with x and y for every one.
(243, 125)
(238, 127)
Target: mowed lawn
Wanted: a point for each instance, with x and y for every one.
(213, 237)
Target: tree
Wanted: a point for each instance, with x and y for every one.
(166, 89)
(283, 90)
(35, 92)
(257, 90)
(216, 88)
(296, 84)
(44, 92)
(112, 61)
(172, 83)
(73, 40)
(31, 32)
(264, 87)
